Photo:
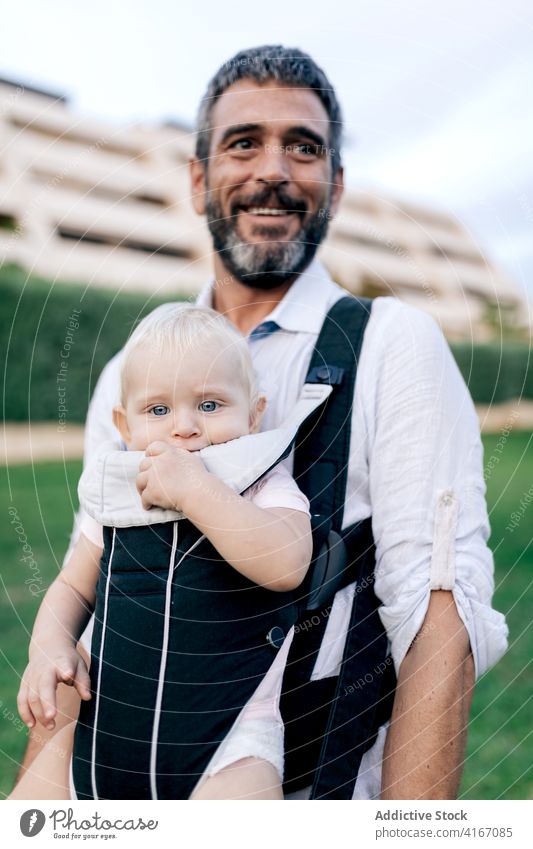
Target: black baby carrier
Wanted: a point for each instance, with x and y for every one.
(182, 640)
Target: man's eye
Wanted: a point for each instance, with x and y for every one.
(305, 149)
(159, 410)
(242, 144)
(209, 406)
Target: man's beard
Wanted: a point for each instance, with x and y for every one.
(268, 264)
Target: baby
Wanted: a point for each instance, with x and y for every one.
(212, 698)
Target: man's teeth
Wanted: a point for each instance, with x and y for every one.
(263, 210)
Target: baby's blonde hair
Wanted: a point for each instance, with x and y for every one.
(179, 328)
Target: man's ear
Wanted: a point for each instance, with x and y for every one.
(119, 420)
(337, 190)
(198, 184)
(257, 414)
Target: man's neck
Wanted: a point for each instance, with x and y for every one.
(246, 307)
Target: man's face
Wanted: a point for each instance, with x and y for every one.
(267, 186)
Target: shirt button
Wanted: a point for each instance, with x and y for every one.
(447, 499)
(323, 373)
(276, 637)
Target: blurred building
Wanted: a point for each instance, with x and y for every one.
(93, 203)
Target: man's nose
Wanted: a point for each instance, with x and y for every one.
(272, 166)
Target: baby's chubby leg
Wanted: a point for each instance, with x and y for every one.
(48, 775)
(249, 778)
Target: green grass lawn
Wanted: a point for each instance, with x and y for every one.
(499, 762)
(499, 748)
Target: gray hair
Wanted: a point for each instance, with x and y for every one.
(289, 66)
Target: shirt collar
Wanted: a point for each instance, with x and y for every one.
(304, 306)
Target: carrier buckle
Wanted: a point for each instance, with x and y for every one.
(326, 374)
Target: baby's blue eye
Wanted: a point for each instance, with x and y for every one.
(159, 410)
(208, 406)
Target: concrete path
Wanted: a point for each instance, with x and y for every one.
(33, 443)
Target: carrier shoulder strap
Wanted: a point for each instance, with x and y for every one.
(326, 734)
(323, 443)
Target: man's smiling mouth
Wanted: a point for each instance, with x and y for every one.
(263, 210)
(284, 208)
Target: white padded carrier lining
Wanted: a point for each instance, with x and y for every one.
(107, 488)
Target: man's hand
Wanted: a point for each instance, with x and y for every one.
(167, 474)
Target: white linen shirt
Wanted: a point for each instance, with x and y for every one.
(415, 466)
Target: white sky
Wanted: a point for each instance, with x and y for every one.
(437, 94)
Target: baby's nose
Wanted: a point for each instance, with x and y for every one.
(185, 425)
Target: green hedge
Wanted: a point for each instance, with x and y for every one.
(36, 322)
(496, 372)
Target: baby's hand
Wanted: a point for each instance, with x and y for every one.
(167, 474)
(36, 699)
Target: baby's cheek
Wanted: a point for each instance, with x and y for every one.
(232, 431)
(214, 433)
(143, 436)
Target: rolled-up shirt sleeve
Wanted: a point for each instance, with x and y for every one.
(427, 490)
